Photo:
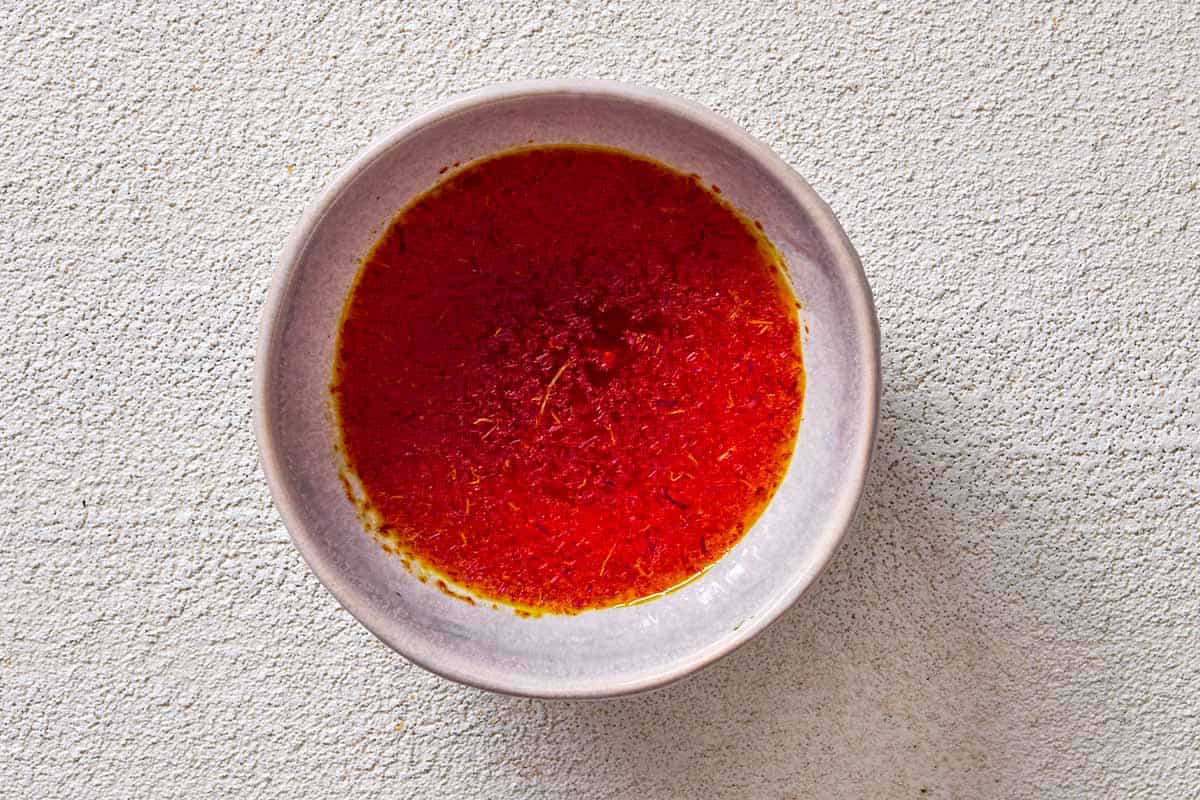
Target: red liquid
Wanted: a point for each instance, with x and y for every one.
(568, 377)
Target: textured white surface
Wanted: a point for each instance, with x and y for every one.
(1015, 613)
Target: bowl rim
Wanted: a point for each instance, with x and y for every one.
(842, 254)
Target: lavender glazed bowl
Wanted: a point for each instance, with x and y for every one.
(597, 653)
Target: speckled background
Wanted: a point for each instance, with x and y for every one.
(1015, 612)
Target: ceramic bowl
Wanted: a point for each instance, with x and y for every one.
(596, 653)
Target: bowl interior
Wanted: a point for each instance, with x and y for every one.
(597, 652)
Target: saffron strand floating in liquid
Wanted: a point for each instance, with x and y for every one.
(568, 377)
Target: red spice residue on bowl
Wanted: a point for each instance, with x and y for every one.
(567, 377)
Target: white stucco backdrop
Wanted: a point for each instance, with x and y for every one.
(1013, 615)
